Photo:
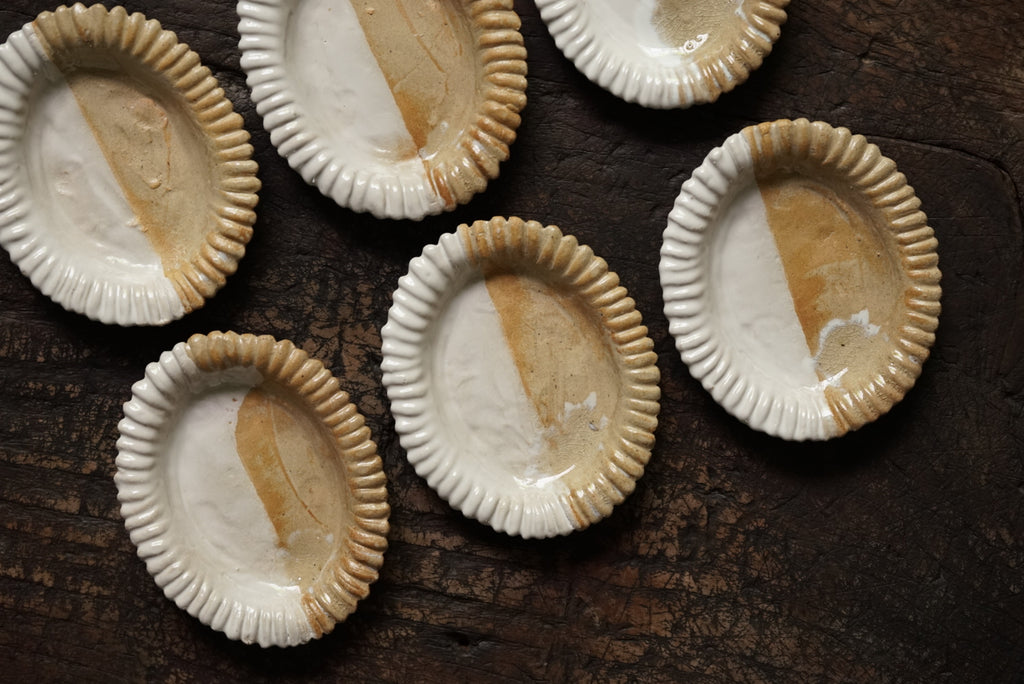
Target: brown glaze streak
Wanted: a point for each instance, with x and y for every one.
(155, 154)
(317, 435)
(626, 366)
(292, 466)
(172, 140)
(562, 355)
(158, 164)
(851, 237)
(836, 265)
(424, 50)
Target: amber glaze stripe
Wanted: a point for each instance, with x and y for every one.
(420, 55)
(199, 251)
(557, 344)
(106, 106)
(262, 422)
(838, 210)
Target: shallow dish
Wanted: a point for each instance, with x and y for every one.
(252, 488)
(401, 109)
(127, 185)
(801, 279)
(522, 381)
(665, 53)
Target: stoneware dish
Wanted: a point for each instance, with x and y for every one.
(801, 279)
(522, 381)
(665, 53)
(251, 487)
(127, 186)
(402, 109)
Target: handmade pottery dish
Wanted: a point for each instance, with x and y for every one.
(127, 186)
(252, 488)
(665, 53)
(522, 381)
(801, 279)
(401, 109)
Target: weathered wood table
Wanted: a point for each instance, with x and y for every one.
(894, 553)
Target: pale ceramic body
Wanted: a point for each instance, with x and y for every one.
(251, 488)
(398, 109)
(801, 280)
(109, 156)
(521, 379)
(665, 53)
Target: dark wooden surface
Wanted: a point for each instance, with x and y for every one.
(895, 553)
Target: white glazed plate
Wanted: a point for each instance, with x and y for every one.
(522, 381)
(665, 53)
(251, 488)
(402, 109)
(127, 186)
(801, 279)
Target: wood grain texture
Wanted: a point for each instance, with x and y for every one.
(894, 553)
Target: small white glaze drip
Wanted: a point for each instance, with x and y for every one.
(862, 320)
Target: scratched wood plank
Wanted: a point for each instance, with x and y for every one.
(893, 553)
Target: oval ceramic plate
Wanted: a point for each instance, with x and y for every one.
(251, 488)
(801, 279)
(127, 186)
(665, 53)
(522, 381)
(401, 109)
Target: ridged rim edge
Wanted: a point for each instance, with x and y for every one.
(343, 581)
(420, 299)
(484, 146)
(699, 82)
(685, 273)
(144, 41)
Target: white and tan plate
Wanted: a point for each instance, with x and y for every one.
(252, 488)
(665, 53)
(801, 279)
(402, 109)
(522, 381)
(127, 186)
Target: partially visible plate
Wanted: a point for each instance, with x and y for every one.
(522, 381)
(252, 488)
(402, 109)
(665, 53)
(127, 184)
(801, 279)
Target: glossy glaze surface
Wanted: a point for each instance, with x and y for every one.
(532, 390)
(812, 296)
(399, 109)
